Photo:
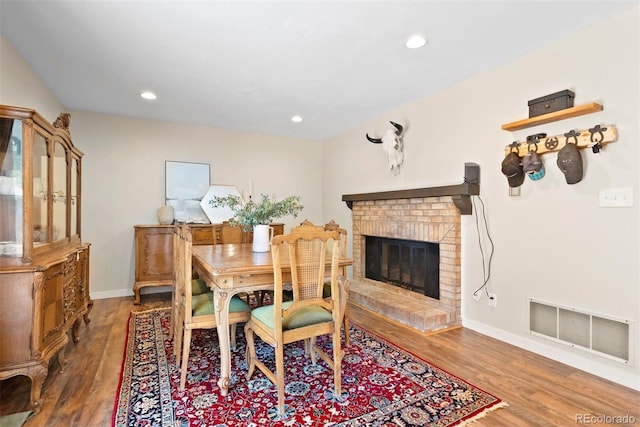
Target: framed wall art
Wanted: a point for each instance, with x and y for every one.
(185, 185)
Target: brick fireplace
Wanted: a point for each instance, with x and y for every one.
(430, 215)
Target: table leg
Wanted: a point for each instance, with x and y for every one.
(221, 300)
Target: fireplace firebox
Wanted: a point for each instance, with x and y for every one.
(409, 264)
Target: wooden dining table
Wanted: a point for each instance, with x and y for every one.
(229, 269)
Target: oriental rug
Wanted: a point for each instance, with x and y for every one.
(383, 385)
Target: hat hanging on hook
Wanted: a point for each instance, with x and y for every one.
(532, 162)
(512, 167)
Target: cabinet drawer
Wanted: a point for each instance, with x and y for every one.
(202, 235)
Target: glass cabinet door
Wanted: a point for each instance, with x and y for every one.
(75, 203)
(40, 190)
(11, 194)
(59, 193)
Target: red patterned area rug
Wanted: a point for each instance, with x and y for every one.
(384, 385)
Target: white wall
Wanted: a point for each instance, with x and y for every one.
(19, 86)
(553, 242)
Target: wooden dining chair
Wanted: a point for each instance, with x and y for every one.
(344, 283)
(198, 286)
(308, 315)
(176, 271)
(227, 233)
(196, 311)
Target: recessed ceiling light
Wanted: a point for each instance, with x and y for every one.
(148, 95)
(415, 41)
(296, 119)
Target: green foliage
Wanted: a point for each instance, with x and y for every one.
(249, 214)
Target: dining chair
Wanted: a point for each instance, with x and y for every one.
(198, 286)
(196, 311)
(308, 315)
(227, 233)
(344, 284)
(176, 272)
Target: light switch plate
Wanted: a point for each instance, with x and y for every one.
(616, 197)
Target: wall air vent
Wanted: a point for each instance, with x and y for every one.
(603, 335)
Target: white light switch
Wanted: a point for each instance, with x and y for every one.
(616, 197)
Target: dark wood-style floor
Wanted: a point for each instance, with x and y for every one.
(540, 392)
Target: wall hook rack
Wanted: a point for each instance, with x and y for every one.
(593, 138)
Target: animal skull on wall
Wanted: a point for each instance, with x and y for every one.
(393, 146)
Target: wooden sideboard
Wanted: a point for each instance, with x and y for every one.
(154, 252)
(41, 303)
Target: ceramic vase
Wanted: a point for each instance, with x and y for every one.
(262, 235)
(165, 215)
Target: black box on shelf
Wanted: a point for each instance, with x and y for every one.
(550, 103)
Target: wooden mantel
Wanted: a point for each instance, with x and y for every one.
(460, 194)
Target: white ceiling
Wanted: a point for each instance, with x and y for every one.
(251, 65)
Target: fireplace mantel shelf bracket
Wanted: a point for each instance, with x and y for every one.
(460, 194)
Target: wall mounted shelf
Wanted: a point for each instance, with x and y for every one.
(580, 110)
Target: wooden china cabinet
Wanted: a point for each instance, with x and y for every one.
(44, 265)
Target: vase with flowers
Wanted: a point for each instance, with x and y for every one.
(257, 215)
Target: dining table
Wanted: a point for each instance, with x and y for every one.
(230, 269)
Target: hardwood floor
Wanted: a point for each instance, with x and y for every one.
(539, 391)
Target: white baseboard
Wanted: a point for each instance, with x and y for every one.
(628, 379)
(128, 292)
